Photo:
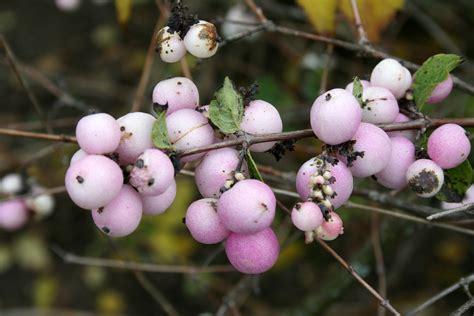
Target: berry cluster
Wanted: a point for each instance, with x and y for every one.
(22, 197)
(200, 40)
(117, 174)
(345, 120)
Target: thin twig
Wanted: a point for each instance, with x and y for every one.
(24, 84)
(384, 302)
(327, 65)
(185, 68)
(257, 11)
(244, 284)
(462, 283)
(465, 208)
(379, 260)
(463, 308)
(53, 137)
(411, 218)
(358, 24)
(139, 266)
(50, 191)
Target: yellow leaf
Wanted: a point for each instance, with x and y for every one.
(124, 11)
(321, 14)
(374, 14)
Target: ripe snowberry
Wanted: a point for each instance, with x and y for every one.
(306, 216)
(380, 106)
(13, 214)
(441, 91)
(204, 223)
(175, 94)
(98, 134)
(330, 229)
(449, 146)
(335, 116)
(156, 205)
(254, 253)
(136, 130)
(390, 74)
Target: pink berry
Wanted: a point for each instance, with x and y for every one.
(248, 207)
(335, 116)
(156, 205)
(377, 148)
(393, 176)
(409, 133)
(93, 181)
(98, 134)
(391, 75)
(261, 118)
(122, 215)
(78, 155)
(342, 186)
(449, 146)
(380, 106)
(215, 169)
(175, 94)
(152, 173)
(330, 229)
(306, 216)
(441, 91)
(188, 129)
(253, 254)
(425, 178)
(136, 130)
(204, 223)
(13, 214)
(365, 84)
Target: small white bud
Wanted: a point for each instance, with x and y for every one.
(327, 175)
(328, 190)
(239, 176)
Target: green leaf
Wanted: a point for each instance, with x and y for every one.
(357, 90)
(456, 182)
(227, 109)
(253, 169)
(433, 71)
(159, 132)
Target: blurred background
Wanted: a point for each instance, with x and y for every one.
(91, 57)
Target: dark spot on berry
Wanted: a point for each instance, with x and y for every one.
(100, 210)
(122, 128)
(105, 229)
(80, 179)
(139, 163)
(424, 182)
(298, 206)
(328, 97)
(264, 206)
(151, 182)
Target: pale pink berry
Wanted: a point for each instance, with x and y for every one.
(122, 215)
(343, 184)
(248, 207)
(13, 214)
(377, 148)
(175, 94)
(93, 181)
(261, 118)
(254, 253)
(335, 116)
(390, 74)
(449, 146)
(156, 205)
(136, 130)
(380, 106)
(425, 178)
(188, 129)
(204, 223)
(152, 173)
(441, 91)
(98, 134)
(393, 176)
(306, 216)
(215, 169)
(330, 229)
(409, 133)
